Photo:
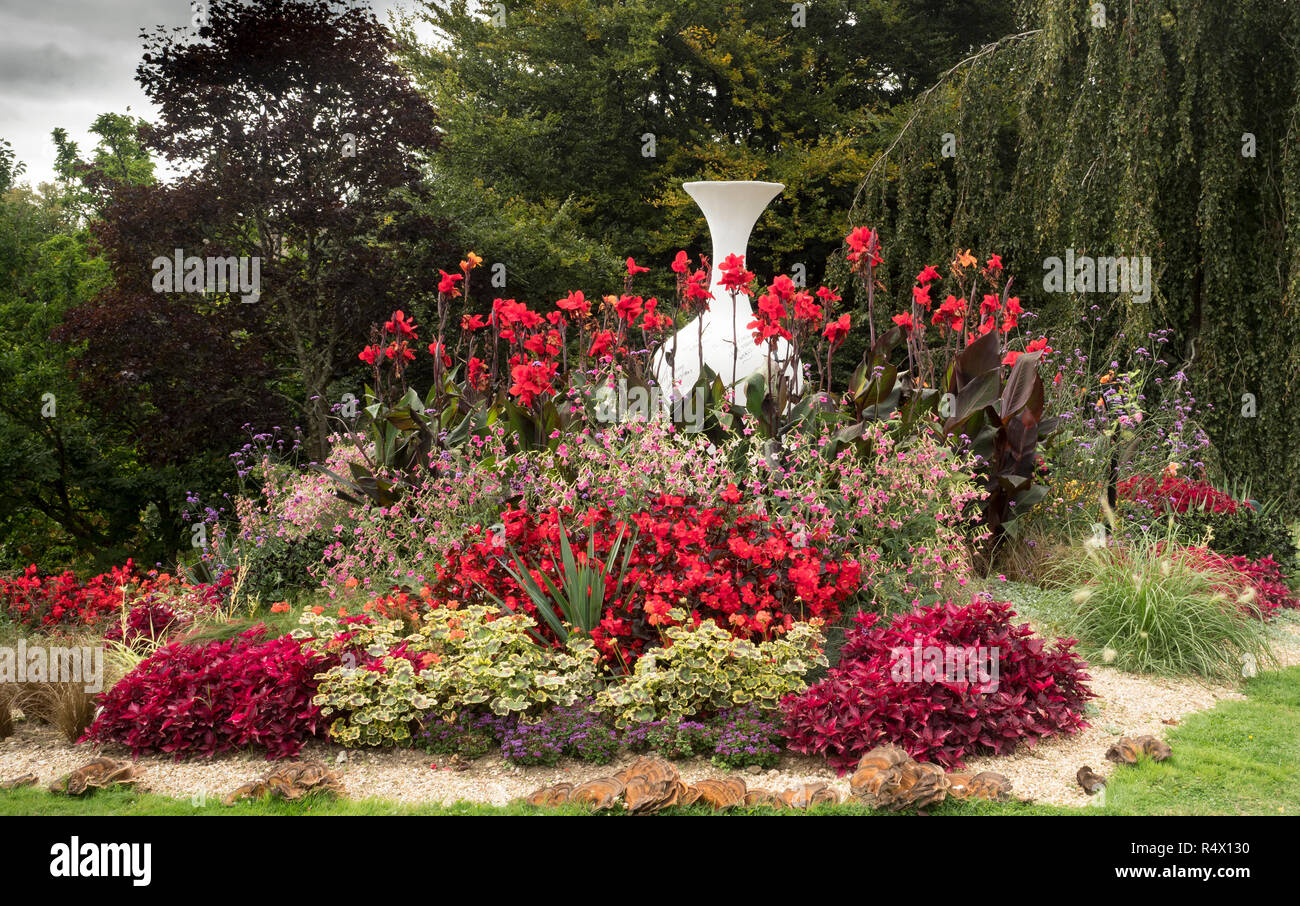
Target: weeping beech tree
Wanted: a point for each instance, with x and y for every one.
(1160, 128)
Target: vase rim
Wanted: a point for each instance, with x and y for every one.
(731, 182)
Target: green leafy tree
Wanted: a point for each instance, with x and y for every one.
(1166, 128)
(602, 109)
(74, 486)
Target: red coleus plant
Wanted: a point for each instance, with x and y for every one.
(1037, 689)
(744, 570)
(198, 700)
(1261, 588)
(1174, 494)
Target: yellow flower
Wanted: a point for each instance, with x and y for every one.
(471, 261)
(964, 259)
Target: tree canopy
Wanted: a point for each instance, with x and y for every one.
(1158, 128)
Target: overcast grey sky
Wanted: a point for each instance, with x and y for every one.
(64, 62)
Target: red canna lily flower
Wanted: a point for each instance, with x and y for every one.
(531, 381)
(633, 268)
(734, 275)
(951, 313)
(546, 345)
(369, 354)
(400, 350)
(575, 303)
(601, 344)
(437, 350)
(784, 287)
(930, 273)
(865, 247)
(837, 330)
(1039, 345)
(805, 309)
(400, 325)
(477, 373)
(652, 320)
(682, 263)
(628, 308)
(904, 321)
(472, 322)
(508, 311)
(697, 288)
(448, 283)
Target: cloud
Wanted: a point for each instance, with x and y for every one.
(50, 70)
(64, 62)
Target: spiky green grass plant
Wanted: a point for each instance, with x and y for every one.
(1140, 605)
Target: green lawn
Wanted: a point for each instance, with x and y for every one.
(1242, 757)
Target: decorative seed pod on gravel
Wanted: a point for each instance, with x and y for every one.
(959, 786)
(877, 770)
(990, 785)
(550, 796)
(1090, 780)
(1127, 750)
(98, 773)
(1123, 752)
(255, 790)
(920, 784)
(760, 796)
(291, 782)
(721, 794)
(16, 782)
(643, 796)
(809, 794)
(888, 778)
(650, 784)
(598, 794)
(655, 770)
(1156, 747)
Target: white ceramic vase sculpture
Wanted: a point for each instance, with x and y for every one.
(731, 209)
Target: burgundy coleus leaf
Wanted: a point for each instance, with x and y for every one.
(945, 721)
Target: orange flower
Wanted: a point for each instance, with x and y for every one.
(964, 259)
(351, 582)
(471, 261)
(343, 611)
(318, 610)
(280, 607)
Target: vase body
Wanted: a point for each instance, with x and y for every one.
(731, 208)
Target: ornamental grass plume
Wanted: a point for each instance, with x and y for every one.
(1147, 605)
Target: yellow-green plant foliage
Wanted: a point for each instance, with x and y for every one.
(707, 668)
(475, 657)
(489, 658)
